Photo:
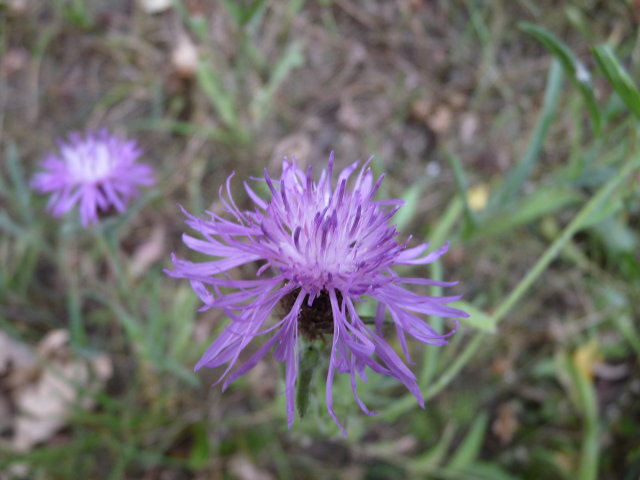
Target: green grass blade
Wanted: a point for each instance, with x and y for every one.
(21, 188)
(521, 172)
(433, 457)
(629, 330)
(263, 101)
(582, 390)
(243, 15)
(442, 230)
(477, 318)
(470, 447)
(544, 201)
(573, 68)
(534, 273)
(220, 98)
(618, 77)
(461, 184)
(411, 199)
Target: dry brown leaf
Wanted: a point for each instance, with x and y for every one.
(14, 355)
(184, 57)
(506, 424)
(149, 252)
(469, 124)
(17, 7)
(155, 6)
(14, 61)
(242, 469)
(50, 385)
(18, 364)
(441, 119)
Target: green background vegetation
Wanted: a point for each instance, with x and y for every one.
(509, 127)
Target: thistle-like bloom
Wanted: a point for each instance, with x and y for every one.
(98, 172)
(320, 251)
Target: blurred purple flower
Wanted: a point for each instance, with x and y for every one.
(98, 171)
(322, 250)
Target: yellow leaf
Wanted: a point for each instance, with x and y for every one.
(586, 356)
(477, 197)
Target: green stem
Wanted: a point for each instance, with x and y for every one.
(554, 249)
(109, 246)
(437, 238)
(543, 262)
(431, 355)
(74, 297)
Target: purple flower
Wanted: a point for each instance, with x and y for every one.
(98, 172)
(321, 250)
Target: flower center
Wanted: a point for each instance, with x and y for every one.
(315, 320)
(89, 162)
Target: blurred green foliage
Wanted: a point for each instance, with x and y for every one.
(528, 387)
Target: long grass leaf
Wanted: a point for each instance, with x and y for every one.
(469, 448)
(620, 80)
(521, 172)
(573, 68)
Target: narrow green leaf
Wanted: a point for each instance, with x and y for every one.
(21, 188)
(308, 365)
(461, 184)
(433, 457)
(521, 172)
(573, 68)
(442, 229)
(585, 397)
(411, 199)
(542, 202)
(112, 225)
(629, 329)
(178, 325)
(608, 209)
(483, 471)
(626, 171)
(242, 15)
(470, 447)
(8, 226)
(235, 10)
(477, 318)
(252, 11)
(220, 98)
(620, 80)
(200, 454)
(263, 101)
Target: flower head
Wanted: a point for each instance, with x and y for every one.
(322, 249)
(97, 171)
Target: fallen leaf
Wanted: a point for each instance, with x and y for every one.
(469, 124)
(17, 362)
(17, 7)
(243, 469)
(149, 252)
(44, 388)
(155, 6)
(14, 355)
(184, 58)
(506, 423)
(586, 357)
(441, 119)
